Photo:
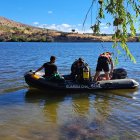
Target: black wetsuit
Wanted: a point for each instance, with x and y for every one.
(77, 70)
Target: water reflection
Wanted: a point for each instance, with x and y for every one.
(81, 104)
(56, 104)
(55, 116)
(102, 107)
(85, 115)
(48, 100)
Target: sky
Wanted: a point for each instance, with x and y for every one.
(62, 15)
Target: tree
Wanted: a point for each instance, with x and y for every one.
(73, 30)
(124, 14)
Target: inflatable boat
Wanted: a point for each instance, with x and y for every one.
(37, 81)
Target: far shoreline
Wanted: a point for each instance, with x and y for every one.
(79, 41)
(60, 37)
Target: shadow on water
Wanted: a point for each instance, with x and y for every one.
(33, 95)
(36, 94)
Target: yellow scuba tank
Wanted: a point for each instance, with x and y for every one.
(86, 73)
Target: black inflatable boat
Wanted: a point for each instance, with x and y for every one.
(36, 81)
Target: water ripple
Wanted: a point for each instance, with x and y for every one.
(36, 114)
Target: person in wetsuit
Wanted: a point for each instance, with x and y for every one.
(77, 69)
(103, 64)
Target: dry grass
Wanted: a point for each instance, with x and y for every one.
(11, 27)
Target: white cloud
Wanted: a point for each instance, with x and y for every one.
(50, 12)
(68, 28)
(66, 25)
(36, 23)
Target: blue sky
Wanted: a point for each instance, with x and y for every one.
(61, 15)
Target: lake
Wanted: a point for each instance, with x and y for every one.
(37, 115)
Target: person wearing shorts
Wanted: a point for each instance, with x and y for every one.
(104, 60)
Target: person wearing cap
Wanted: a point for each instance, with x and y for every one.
(49, 67)
(104, 60)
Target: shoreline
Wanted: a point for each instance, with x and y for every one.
(60, 38)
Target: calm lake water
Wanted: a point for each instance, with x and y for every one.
(27, 114)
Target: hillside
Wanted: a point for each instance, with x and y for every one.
(15, 31)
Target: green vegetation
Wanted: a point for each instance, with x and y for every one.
(125, 14)
(24, 34)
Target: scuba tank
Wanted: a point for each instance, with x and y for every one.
(86, 73)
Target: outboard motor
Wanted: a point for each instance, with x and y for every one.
(119, 73)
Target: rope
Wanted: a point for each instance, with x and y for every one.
(91, 17)
(90, 9)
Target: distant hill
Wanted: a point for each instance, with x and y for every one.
(7, 24)
(15, 31)
(10, 23)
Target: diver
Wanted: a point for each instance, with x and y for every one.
(80, 71)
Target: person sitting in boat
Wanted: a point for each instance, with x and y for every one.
(74, 67)
(103, 64)
(78, 68)
(50, 69)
